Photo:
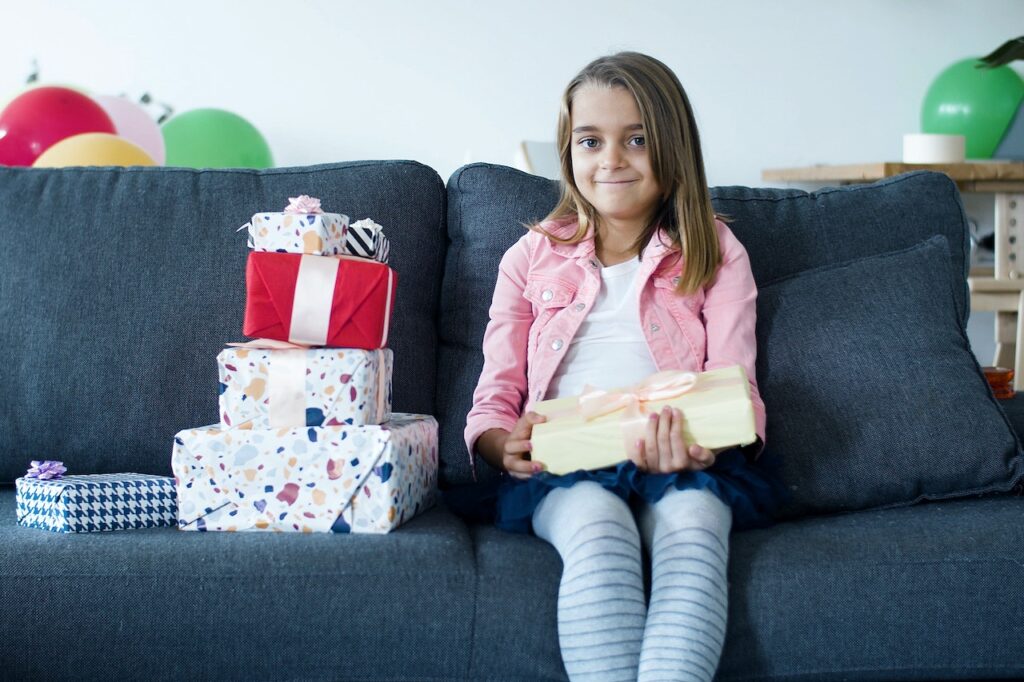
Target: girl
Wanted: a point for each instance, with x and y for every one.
(631, 273)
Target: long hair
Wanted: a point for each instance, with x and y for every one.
(672, 140)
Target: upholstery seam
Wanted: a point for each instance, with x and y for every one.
(277, 170)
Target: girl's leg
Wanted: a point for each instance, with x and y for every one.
(687, 532)
(601, 607)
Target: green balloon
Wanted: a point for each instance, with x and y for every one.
(214, 138)
(976, 103)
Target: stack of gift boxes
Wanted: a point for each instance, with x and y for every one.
(307, 440)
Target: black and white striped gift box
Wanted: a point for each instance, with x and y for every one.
(367, 242)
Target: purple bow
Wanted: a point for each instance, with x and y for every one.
(46, 470)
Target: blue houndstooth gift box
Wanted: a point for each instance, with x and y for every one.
(83, 504)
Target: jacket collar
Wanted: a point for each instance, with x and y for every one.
(658, 247)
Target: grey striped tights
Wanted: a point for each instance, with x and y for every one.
(605, 628)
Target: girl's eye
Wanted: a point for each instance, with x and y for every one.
(641, 140)
(585, 140)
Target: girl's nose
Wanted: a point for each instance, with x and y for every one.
(612, 157)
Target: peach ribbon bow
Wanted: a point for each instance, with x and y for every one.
(595, 402)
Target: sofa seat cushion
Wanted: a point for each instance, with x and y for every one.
(182, 605)
(932, 591)
(516, 630)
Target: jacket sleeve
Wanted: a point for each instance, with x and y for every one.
(730, 321)
(502, 389)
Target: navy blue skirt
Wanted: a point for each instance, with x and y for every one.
(753, 491)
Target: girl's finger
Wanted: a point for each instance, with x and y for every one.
(651, 443)
(679, 456)
(638, 457)
(664, 440)
(536, 417)
(700, 456)
(520, 445)
(519, 467)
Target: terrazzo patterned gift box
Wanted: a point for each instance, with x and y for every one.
(279, 387)
(96, 502)
(346, 479)
(318, 234)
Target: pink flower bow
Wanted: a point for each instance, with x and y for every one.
(303, 204)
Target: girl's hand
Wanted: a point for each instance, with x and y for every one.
(662, 450)
(516, 450)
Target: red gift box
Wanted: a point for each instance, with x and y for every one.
(342, 301)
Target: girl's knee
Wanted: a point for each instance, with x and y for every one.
(569, 515)
(679, 509)
(692, 503)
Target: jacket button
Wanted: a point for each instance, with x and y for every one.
(580, 306)
(593, 263)
(654, 327)
(675, 281)
(546, 295)
(556, 344)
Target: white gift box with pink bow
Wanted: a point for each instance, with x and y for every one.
(302, 227)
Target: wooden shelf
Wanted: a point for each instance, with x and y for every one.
(968, 172)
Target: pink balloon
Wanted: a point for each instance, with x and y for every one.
(135, 125)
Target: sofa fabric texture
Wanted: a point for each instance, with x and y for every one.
(118, 287)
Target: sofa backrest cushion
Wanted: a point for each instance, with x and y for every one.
(488, 205)
(875, 397)
(118, 287)
(785, 232)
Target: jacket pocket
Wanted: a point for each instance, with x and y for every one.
(549, 297)
(547, 294)
(682, 307)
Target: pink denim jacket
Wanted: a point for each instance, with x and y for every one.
(545, 289)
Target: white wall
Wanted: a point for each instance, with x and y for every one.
(774, 84)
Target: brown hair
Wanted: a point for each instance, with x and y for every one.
(673, 143)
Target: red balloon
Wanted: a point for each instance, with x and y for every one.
(41, 117)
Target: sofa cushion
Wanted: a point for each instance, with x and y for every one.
(876, 399)
(118, 287)
(179, 605)
(928, 592)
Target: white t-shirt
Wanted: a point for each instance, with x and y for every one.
(609, 349)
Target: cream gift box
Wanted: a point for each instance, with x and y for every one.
(357, 479)
(599, 428)
(274, 384)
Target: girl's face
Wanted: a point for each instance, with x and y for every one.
(610, 162)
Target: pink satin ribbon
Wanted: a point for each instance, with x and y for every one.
(311, 304)
(632, 401)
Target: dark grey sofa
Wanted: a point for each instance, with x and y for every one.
(119, 286)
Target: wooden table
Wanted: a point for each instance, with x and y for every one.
(1000, 288)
